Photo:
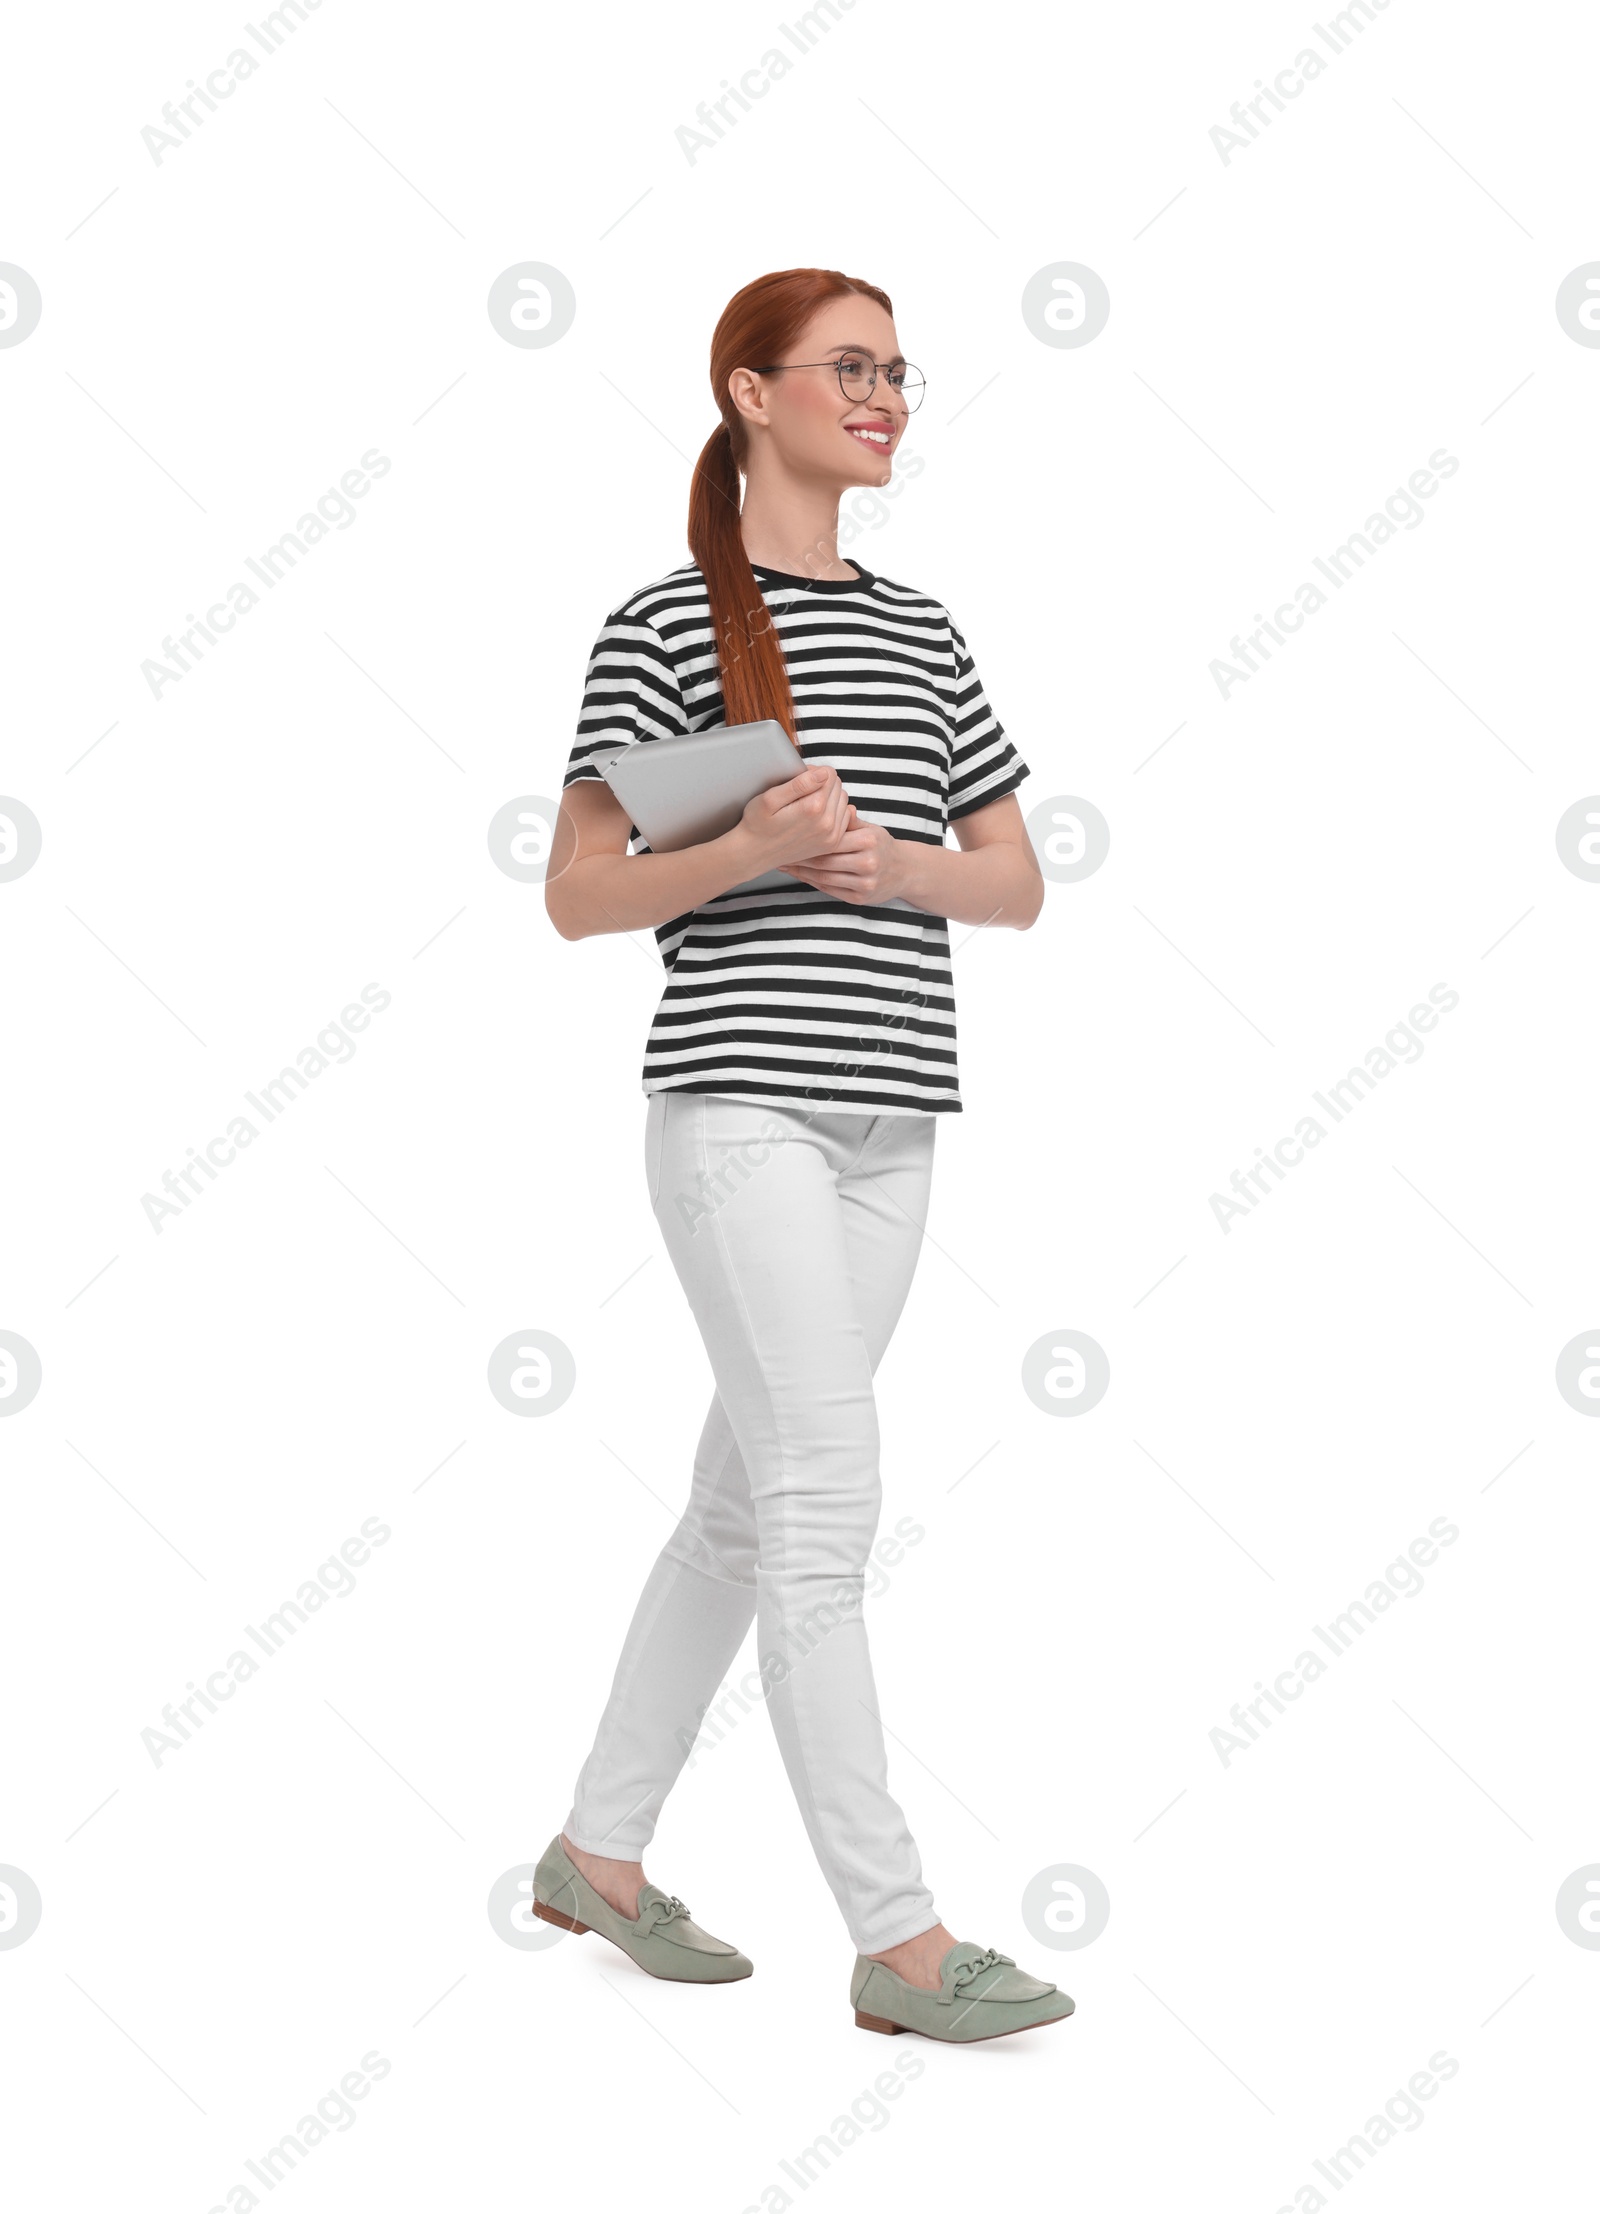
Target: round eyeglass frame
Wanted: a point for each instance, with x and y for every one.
(906, 368)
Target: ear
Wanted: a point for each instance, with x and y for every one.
(744, 389)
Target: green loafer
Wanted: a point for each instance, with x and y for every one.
(982, 1994)
(663, 1940)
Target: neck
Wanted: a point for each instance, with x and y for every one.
(791, 523)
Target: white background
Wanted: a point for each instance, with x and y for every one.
(1292, 333)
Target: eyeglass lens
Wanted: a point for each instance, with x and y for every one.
(856, 378)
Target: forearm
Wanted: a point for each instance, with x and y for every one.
(998, 884)
(635, 891)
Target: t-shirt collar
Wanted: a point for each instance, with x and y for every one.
(815, 584)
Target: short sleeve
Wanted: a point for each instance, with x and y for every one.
(630, 691)
(984, 764)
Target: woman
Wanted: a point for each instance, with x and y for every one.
(802, 1051)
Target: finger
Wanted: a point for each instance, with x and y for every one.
(838, 880)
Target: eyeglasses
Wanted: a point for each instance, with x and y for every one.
(858, 376)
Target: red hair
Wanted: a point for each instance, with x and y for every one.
(759, 324)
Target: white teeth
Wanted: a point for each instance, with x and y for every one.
(878, 438)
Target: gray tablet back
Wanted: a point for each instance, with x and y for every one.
(681, 791)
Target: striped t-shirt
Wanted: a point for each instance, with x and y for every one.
(793, 996)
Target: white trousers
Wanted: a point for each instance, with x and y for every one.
(795, 1236)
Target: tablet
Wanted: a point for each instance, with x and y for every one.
(682, 791)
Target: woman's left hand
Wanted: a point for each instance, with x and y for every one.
(868, 866)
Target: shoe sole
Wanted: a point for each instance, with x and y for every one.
(585, 1929)
(904, 2029)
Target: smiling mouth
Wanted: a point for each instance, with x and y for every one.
(879, 440)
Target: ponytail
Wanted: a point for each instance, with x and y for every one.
(758, 324)
(755, 681)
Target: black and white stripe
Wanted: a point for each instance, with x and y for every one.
(792, 996)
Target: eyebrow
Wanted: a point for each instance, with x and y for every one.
(854, 346)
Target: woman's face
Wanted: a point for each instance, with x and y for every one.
(812, 428)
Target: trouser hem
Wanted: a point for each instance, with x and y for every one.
(613, 1848)
(927, 1920)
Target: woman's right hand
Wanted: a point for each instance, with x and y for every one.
(793, 821)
